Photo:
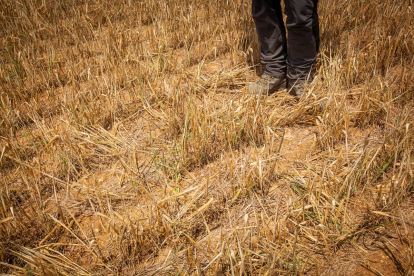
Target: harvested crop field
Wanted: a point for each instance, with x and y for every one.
(129, 145)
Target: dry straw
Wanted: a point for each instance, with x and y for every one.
(128, 145)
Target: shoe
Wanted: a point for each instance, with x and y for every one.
(296, 88)
(267, 85)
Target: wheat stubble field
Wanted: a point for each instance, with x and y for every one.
(128, 145)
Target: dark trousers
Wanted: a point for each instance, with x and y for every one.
(295, 58)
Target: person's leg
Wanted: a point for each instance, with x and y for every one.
(268, 18)
(315, 26)
(303, 39)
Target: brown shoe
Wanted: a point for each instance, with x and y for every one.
(296, 88)
(267, 85)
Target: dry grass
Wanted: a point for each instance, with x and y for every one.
(129, 146)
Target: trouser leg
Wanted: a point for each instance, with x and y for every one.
(303, 38)
(268, 18)
(315, 26)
